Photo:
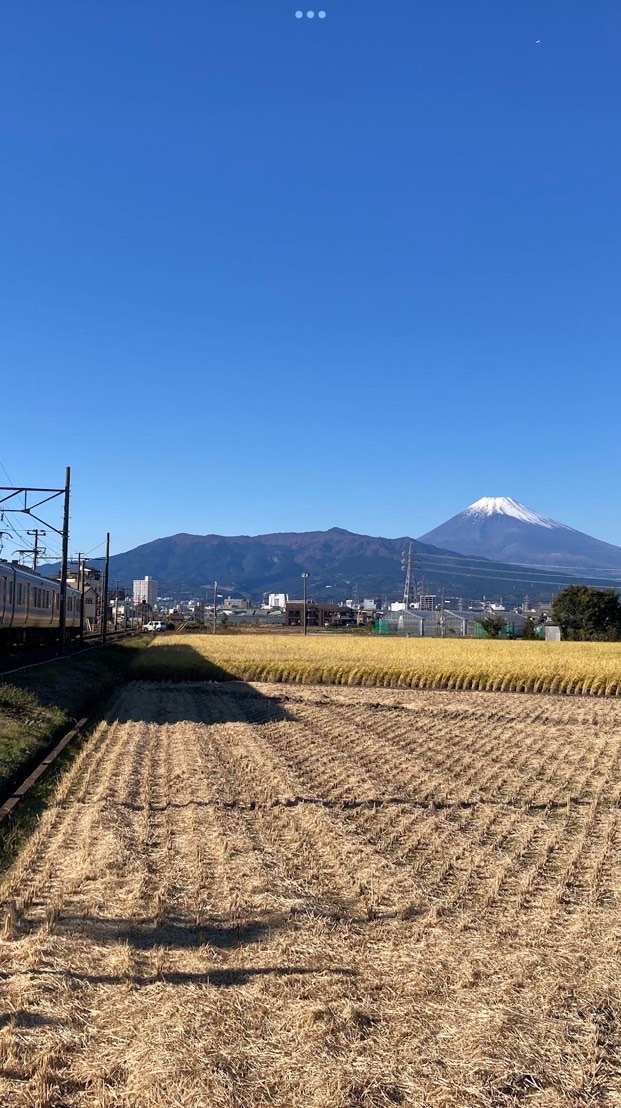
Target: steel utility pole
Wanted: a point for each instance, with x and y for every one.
(62, 615)
(80, 557)
(104, 606)
(35, 547)
(215, 606)
(305, 579)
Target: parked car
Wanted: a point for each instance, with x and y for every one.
(154, 625)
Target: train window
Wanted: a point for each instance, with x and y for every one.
(20, 594)
(10, 597)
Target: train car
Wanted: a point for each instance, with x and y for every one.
(30, 607)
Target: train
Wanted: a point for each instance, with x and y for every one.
(30, 607)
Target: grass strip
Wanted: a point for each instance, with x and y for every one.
(38, 704)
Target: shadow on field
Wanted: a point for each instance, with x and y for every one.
(219, 978)
(24, 1019)
(146, 934)
(173, 669)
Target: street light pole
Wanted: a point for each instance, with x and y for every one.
(305, 579)
(215, 605)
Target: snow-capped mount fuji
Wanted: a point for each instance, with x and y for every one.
(500, 528)
(505, 506)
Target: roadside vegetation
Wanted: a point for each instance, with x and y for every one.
(592, 669)
(39, 703)
(587, 614)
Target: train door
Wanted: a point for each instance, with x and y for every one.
(10, 601)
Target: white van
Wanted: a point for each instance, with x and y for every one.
(154, 625)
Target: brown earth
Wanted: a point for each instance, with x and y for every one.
(245, 896)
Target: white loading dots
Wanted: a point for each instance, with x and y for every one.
(310, 15)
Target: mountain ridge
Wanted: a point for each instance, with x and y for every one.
(337, 560)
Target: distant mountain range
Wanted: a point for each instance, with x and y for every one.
(337, 561)
(500, 528)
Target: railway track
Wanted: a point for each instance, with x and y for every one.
(25, 657)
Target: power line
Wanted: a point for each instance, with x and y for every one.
(605, 571)
(471, 564)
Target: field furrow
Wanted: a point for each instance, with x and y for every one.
(326, 897)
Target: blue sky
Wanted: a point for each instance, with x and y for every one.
(260, 273)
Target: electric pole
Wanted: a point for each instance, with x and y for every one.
(80, 557)
(104, 608)
(35, 550)
(62, 614)
(305, 579)
(215, 606)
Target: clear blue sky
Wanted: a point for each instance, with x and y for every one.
(261, 273)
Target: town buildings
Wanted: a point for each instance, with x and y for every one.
(145, 591)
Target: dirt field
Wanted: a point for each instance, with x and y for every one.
(320, 898)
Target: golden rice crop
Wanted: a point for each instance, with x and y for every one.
(588, 669)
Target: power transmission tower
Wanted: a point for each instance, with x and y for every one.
(409, 587)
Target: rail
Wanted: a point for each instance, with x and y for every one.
(13, 664)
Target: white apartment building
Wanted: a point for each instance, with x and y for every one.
(278, 600)
(145, 589)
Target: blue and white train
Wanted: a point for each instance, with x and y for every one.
(30, 607)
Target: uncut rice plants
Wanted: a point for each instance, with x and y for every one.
(576, 668)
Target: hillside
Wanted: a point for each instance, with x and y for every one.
(337, 561)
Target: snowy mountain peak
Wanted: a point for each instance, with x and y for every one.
(505, 506)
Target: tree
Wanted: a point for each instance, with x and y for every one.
(587, 613)
(492, 625)
(529, 628)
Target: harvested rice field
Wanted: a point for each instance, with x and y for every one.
(315, 897)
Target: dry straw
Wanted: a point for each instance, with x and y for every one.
(257, 897)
